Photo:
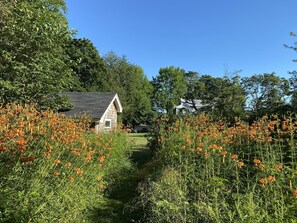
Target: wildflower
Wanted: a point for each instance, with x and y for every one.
(56, 173)
(240, 164)
(219, 148)
(183, 147)
(88, 159)
(3, 149)
(101, 186)
(214, 146)
(57, 162)
(68, 165)
(71, 178)
(234, 156)
(271, 178)
(47, 153)
(76, 153)
(261, 165)
(101, 159)
(199, 149)
(206, 155)
(263, 181)
(224, 153)
(257, 161)
(279, 166)
(294, 192)
(78, 171)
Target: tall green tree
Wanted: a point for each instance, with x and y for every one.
(33, 61)
(89, 69)
(195, 88)
(223, 97)
(133, 87)
(168, 88)
(266, 93)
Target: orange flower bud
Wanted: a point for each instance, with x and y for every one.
(224, 153)
(234, 156)
(271, 178)
(257, 161)
(263, 181)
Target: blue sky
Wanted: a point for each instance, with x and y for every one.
(206, 36)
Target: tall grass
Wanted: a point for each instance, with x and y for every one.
(54, 168)
(218, 172)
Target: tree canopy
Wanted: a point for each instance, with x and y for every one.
(89, 69)
(133, 87)
(168, 88)
(33, 61)
(266, 93)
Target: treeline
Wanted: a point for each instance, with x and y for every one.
(40, 56)
(225, 97)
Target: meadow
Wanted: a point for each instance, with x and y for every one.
(54, 168)
(215, 171)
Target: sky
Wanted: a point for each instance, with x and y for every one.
(214, 37)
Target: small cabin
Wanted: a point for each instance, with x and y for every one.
(103, 108)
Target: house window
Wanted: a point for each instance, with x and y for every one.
(107, 123)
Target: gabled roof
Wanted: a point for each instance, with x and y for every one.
(93, 103)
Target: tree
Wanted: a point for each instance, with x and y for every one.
(195, 88)
(89, 69)
(266, 93)
(133, 87)
(33, 62)
(223, 97)
(168, 88)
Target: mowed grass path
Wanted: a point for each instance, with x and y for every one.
(118, 207)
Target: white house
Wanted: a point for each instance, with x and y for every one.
(188, 106)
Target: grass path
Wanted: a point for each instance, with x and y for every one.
(117, 207)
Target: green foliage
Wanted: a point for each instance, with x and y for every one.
(213, 172)
(133, 87)
(224, 97)
(168, 88)
(165, 197)
(266, 94)
(33, 62)
(195, 88)
(90, 70)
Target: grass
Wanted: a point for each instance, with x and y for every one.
(118, 207)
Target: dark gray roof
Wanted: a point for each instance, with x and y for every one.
(92, 103)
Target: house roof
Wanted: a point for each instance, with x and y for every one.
(93, 103)
(189, 104)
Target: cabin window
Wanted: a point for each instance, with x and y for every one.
(107, 123)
